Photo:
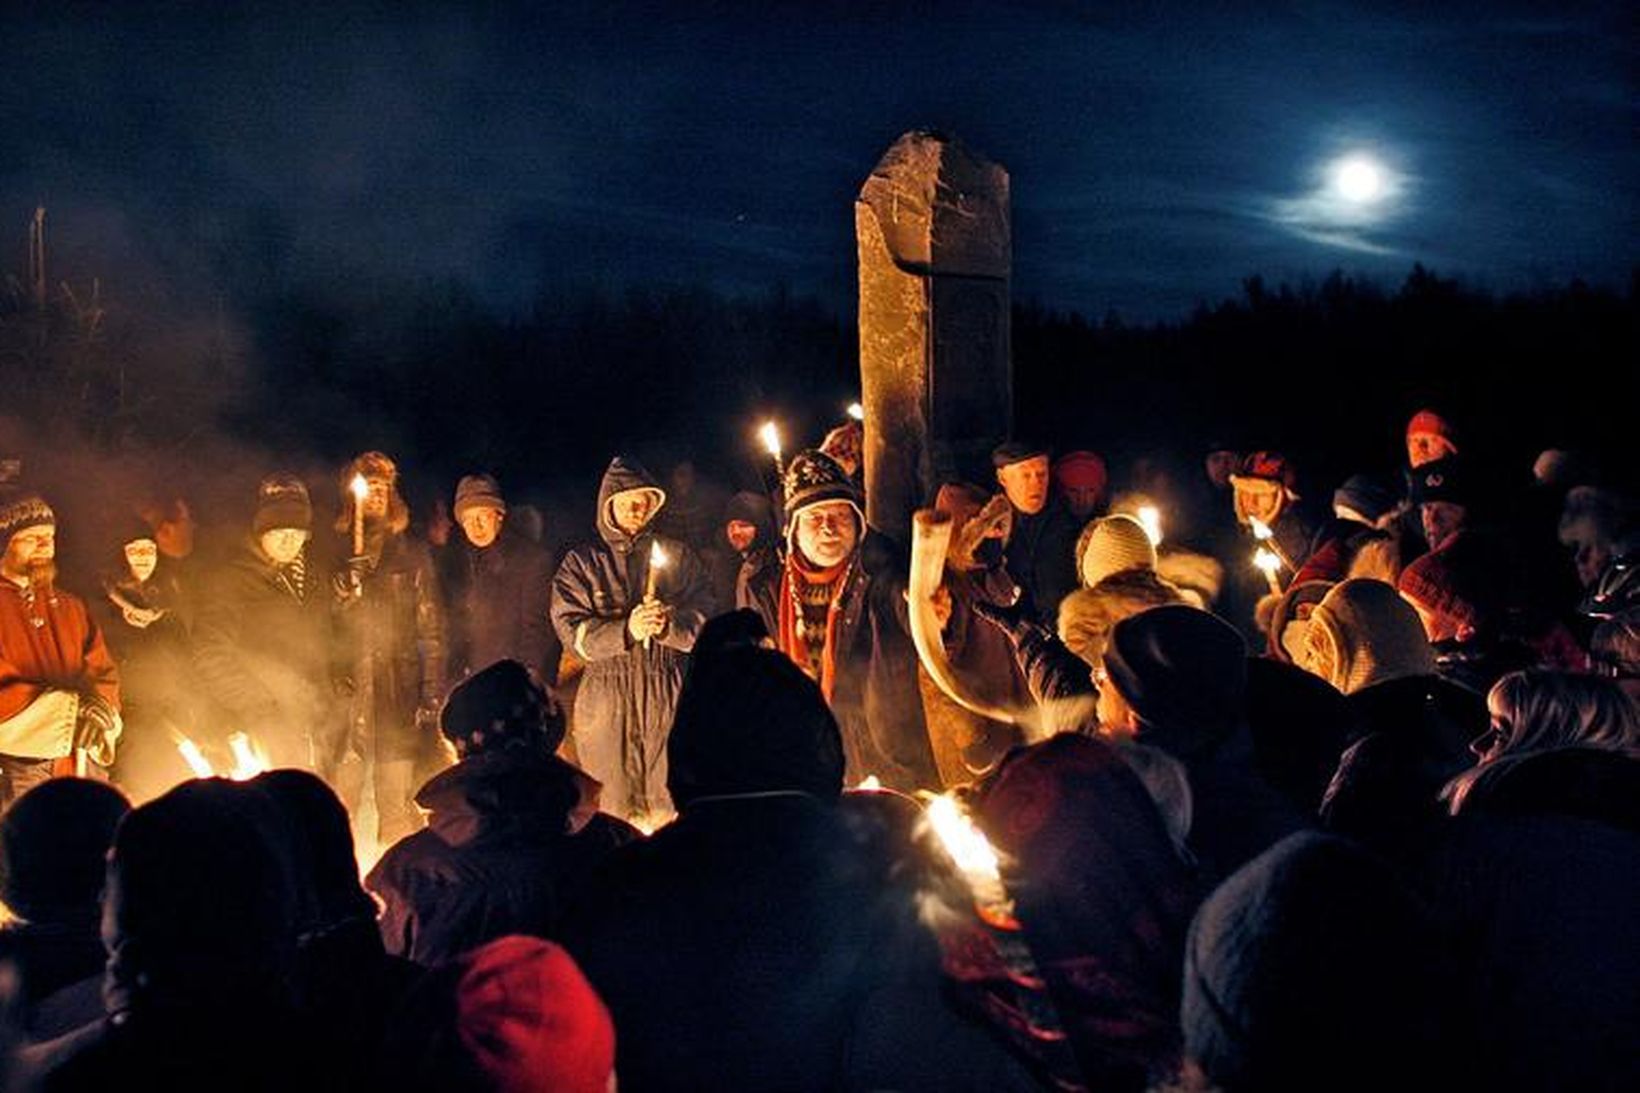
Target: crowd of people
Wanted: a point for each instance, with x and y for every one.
(1268, 795)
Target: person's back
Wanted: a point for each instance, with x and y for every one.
(199, 924)
(730, 946)
(512, 829)
(497, 857)
(52, 843)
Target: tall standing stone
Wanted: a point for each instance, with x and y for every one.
(936, 376)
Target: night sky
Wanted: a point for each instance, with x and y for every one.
(1157, 158)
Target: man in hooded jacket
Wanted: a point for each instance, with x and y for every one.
(630, 605)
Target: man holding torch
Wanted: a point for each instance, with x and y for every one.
(630, 605)
(390, 627)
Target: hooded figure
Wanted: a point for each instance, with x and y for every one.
(1365, 640)
(1315, 967)
(734, 945)
(635, 646)
(264, 647)
(199, 922)
(1104, 901)
(747, 547)
(837, 609)
(512, 831)
(53, 843)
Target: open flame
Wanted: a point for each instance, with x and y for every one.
(1266, 561)
(870, 781)
(658, 558)
(770, 435)
(856, 411)
(1151, 517)
(249, 758)
(968, 848)
(194, 758)
(1261, 530)
(359, 487)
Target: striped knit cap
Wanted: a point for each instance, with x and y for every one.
(21, 509)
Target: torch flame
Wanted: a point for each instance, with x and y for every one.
(194, 758)
(968, 848)
(770, 435)
(1151, 517)
(248, 759)
(657, 557)
(1261, 530)
(359, 487)
(856, 411)
(1267, 561)
(871, 781)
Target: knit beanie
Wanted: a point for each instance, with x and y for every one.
(19, 509)
(1184, 673)
(1267, 467)
(477, 491)
(1363, 633)
(529, 1020)
(1428, 421)
(813, 478)
(1367, 495)
(282, 502)
(1113, 544)
(1445, 479)
(1082, 470)
(499, 706)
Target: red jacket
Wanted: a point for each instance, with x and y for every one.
(49, 643)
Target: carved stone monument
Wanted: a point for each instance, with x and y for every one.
(936, 375)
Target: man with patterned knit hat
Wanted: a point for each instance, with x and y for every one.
(837, 609)
(59, 688)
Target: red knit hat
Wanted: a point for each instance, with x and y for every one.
(530, 1020)
(1431, 585)
(1428, 421)
(1082, 469)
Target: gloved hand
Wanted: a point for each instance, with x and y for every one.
(349, 580)
(97, 729)
(1015, 620)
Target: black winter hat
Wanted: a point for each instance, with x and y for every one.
(1016, 451)
(1368, 494)
(1184, 672)
(750, 721)
(501, 706)
(1445, 479)
(53, 842)
(282, 502)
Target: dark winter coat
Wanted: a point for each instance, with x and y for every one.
(508, 841)
(628, 693)
(734, 946)
(392, 640)
(875, 697)
(1538, 887)
(1041, 557)
(1417, 733)
(498, 603)
(265, 654)
(1238, 811)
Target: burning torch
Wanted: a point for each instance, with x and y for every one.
(1269, 557)
(1151, 518)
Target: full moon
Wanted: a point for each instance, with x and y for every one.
(1358, 179)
